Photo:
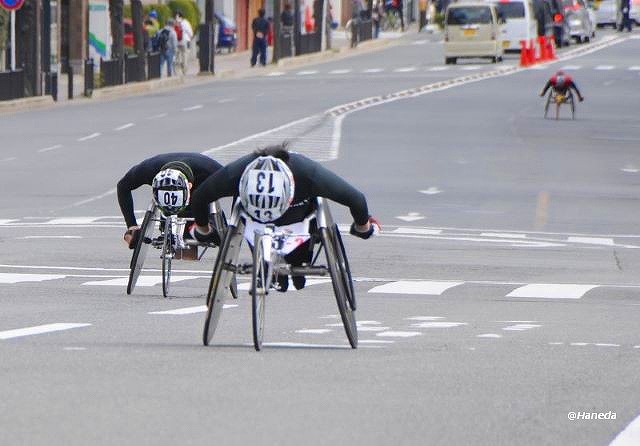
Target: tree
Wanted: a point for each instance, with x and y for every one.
(116, 13)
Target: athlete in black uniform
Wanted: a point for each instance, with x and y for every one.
(195, 167)
(310, 180)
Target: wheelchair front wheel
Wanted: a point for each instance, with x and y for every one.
(340, 288)
(343, 264)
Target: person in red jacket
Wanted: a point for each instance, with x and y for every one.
(561, 83)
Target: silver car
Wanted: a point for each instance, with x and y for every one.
(577, 16)
(606, 12)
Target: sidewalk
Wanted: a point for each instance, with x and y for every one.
(233, 65)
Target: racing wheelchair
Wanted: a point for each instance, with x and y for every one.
(166, 234)
(558, 99)
(270, 245)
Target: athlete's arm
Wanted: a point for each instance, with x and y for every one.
(546, 87)
(575, 87)
(130, 181)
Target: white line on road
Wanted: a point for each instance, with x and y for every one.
(440, 324)
(276, 73)
(306, 72)
(40, 329)
(592, 240)
(432, 288)
(404, 70)
(634, 68)
(124, 126)
(189, 310)
(630, 436)
(47, 149)
(88, 137)
(374, 329)
(438, 69)
(373, 70)
(70, 221)
(470, 68)
(11, 158)
(342, 71)
(552, 291)
(604, 67)
(314, 331)
(193, 107)
(418, 231)
(97, 197)
(375, 341)
(18, 278)
(399, 334)
(29, 237)
(489, 335)
(521, 327)
(503, 235)
(571, 67)
(142, 281)
(158, 116)
(226, 100)
(430, 191)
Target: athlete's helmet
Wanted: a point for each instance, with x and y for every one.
(266, 188)
(171, 192)
(561, 79)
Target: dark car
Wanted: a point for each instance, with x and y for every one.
(560, 24)
(227, 33)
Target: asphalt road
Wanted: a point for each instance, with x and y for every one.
(502, 295)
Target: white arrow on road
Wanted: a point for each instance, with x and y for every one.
(430, 191)
(411, 216)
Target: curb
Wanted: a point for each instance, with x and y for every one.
(327, 54)
(119, 91)
(16, 105)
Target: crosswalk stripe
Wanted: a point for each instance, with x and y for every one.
(605, 67)
(470, 68)
(4, 221)
(398, 334)
(429, 287)
(142, 281)
(18, 278)
(571, 67)
(438, 69)
(189, 310)
(39, 329)
(552, 291)
(71, 221)
(404, 70)
(339, 71)
(634, 68)
(592, 240)
(373, 70)
(276, 73)
(629, 436)
(306, 72)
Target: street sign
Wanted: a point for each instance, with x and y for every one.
(11, 5)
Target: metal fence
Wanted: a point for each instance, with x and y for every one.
(11, 85)
(153, 66)
(134, 69)
(111, 72)
(88, 77)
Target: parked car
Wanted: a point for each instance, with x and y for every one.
(635, 11)
(227, 33)
(520, 22)
(472, 30)
(606, 12)
(577, 16)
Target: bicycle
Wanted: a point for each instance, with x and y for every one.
(269, 249)
(558, 99)
(169, 241)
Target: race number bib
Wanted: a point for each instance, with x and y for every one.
(170, 198)
(265, 182)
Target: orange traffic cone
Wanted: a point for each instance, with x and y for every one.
(551, 48)
(542, 44)
(524, 54)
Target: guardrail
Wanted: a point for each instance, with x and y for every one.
(153, 66)
(111, 72)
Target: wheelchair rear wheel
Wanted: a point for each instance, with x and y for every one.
(140, 251)
(167, 256)
(259, 289)
(339, 279)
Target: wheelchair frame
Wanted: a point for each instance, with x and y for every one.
(267, 262)
(568, 98)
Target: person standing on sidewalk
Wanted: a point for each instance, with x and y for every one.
(377, 13)
(184, 41)
(260, 27)
(625, 9)
(167, 44)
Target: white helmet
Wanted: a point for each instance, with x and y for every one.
(266, 188)
(171, 192)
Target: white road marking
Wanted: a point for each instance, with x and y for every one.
(330, 316)
(276, 73)
(71, 221)
(193, 107)
(438, 69)
(373, 70)
(602, 344)
(411, 216)
(97, 197)
(517, 322)
(303, 345)
(28, 237)
(630, 169)
(503, 235)
(142, 281)
(592, 240)
(4, 221)
(158, 116)
(19, 278)
(375, 341)
(306, 72)
(430, 191)
(521, 327)
(39, 329)
(124, 126)
(429, 287)
(374, 329)
(579, 344)
(189, 310)
(88, 137)
(225, 101)
(399, 334)
(420, 42)
(634, 68)
(404, 70)
(424, 318)
(73, 349)
(556, 343)
(571, 67)
(314, 331)
(630, 436)
(489, 335)
(11, 158)
(439, 324)
(599, 344)
(552, 291)
(604, 67)
(47, 149)
(246, 286)
(470, 68)
(421, 231)
(342, 71)
(359, 323)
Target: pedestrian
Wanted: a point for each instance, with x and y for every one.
(167, 41)
(260, 27)
(286, 17)
(184, 32)
(401, 13)
(625, 9)
(377, 14)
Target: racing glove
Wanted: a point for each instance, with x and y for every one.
(374, 228)
(134, 233)
(211, 237)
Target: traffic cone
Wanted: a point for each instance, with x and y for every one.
(551, 48)
(542, 44)
(524, 54)
(532, 52)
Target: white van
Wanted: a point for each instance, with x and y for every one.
(521, 23)
(472, 30)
